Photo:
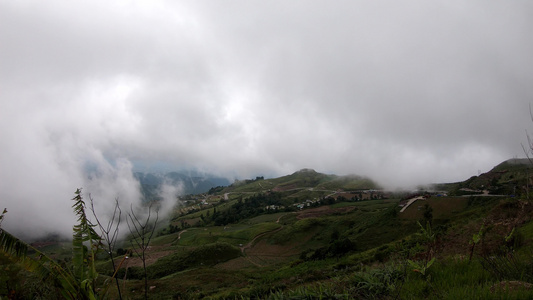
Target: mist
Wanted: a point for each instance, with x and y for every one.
(404, 92)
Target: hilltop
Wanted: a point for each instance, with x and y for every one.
(305, 179)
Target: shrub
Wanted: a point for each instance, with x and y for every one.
(378, 283)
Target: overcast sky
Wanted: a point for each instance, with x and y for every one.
(404, 92)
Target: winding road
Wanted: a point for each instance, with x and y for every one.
(411, 201)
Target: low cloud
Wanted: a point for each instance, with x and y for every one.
(169, 192)
(405, 93)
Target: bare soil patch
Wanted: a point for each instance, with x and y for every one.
(263, 248)
(323, 211)
(153, 253)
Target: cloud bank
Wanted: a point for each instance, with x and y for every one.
(405, 92)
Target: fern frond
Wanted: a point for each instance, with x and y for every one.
(12, 245)
(83, 257)
(37, 262)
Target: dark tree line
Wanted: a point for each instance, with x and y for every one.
(250, 207)
(216, 189)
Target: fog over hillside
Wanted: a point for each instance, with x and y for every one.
(404, 92)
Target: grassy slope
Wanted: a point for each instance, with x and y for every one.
(304, 179)
(384, 240)
(260, 257)
(378, 235)
(509, 177)
(207, 261)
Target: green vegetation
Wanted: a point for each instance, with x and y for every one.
(79, 281)
(312, 242)
(511, 177)
(203, 256)
(249, 208)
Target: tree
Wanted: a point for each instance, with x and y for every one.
(142, 233)
(110, 235)
(528, 151)
(428, 213)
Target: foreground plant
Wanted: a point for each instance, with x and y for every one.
(421, 267)
(110, 235)
(429, 238)
(76, 283)
(142, 233)
(476, 239)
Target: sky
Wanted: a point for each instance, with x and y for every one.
(404, 92)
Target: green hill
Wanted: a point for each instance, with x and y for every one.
(309, 235)
(304, 179)
(511, 177)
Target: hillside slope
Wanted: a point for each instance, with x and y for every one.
(309, 235)
(511, 177)
(304, 179)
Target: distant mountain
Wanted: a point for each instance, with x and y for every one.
(307, 179)
(196, 183)
(191, 182)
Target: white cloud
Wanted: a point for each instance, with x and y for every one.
(401, 92)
